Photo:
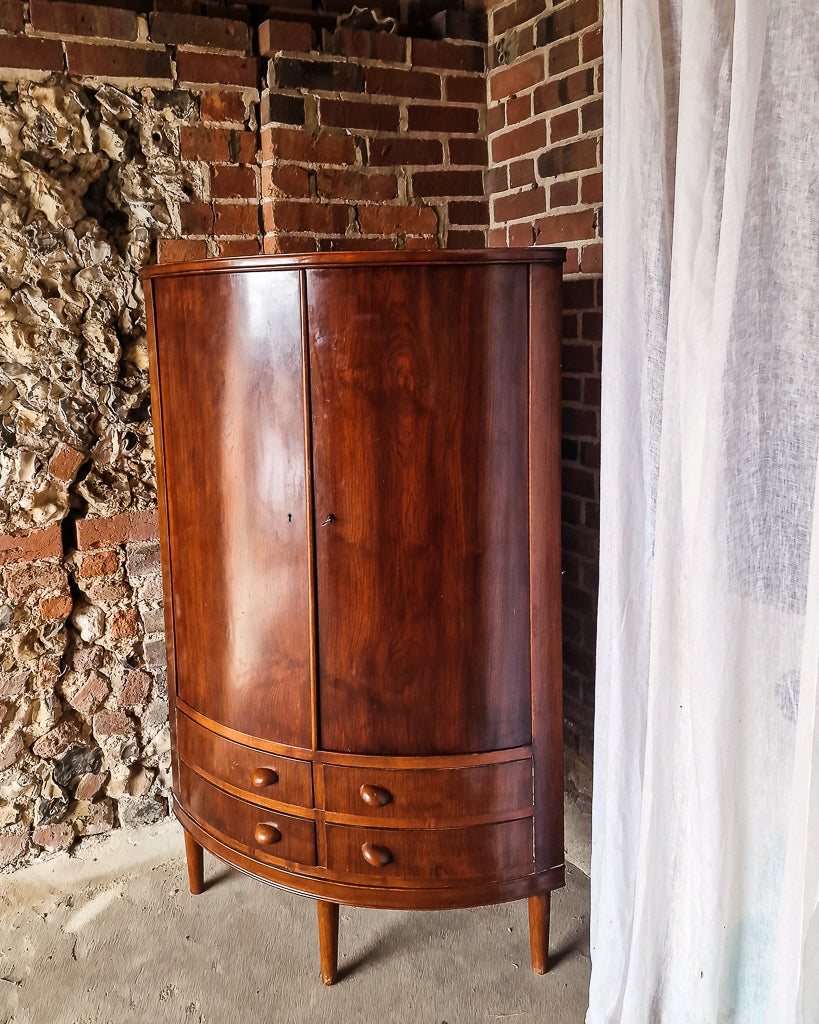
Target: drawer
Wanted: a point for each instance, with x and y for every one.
(266, 779)
(261, 833)
(427, 795)
(392, 856)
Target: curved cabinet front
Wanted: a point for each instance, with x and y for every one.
(359, 475)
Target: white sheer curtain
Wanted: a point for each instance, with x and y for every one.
(705, 860)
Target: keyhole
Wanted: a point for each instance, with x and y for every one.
(289, 517)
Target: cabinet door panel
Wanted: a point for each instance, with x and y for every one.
(419, 427)
(233, 423)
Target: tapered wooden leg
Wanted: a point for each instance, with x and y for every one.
(539, 931)
(196, 869)
(328, 940)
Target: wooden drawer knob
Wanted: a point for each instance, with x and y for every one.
(375, 796)
(376, 856)
(264, 777)
(266, 834)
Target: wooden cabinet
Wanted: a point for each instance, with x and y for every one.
(359, 477)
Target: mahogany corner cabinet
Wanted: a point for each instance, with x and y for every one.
(359, 486)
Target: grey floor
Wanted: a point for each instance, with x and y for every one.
(112, 936)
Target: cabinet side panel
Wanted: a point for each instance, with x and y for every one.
(419, 409)
(544, 512)
(229, 355)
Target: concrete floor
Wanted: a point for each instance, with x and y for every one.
(113, 936)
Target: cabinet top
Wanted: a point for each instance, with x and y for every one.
(382, 258)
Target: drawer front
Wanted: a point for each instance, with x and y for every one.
(263, 778)
(430, 794)
(392, 856)
(264, 834)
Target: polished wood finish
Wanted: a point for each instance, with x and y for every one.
(359, 480)
(419, 415)
(245, 771)
(405, 855)
(328, 940)
(236, 504)
(256, 831)
(430, 795)
(539, 913)
(196, 866)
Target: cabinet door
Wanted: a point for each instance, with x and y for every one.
(229, 352)
(419, 382)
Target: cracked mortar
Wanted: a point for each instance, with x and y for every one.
(89, 178)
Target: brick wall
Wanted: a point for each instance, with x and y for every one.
(371, 140)
(545, 187)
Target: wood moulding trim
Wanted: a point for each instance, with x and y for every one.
(316, 882)
(453, 761)
(308, 261)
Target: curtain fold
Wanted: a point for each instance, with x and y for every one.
(705, 853)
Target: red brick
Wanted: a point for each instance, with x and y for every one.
(316, 75)
(135, 687)
(521, 234)
(519, 108)
(26, 578)
(563, 56)
(516, 14)
(495, 119)
(571, 264)
(117, 62)
(285, 180)
(581, 482)
(236, 219)
(575, 156)
(592, 259)
(522, 172)
(468, 152)
(523, 75)
(56, 740)
(208, 144)
(440, 53)
(465, 89)
(91, 694)
(118, 529)
(563, 91)
(323, 218)
(565, 227)
(69, 19)
(112, 723)
(471, 213)
(275, 244)
(591, 188)
(101, 563)
(364, 45)
(53, 608)
(196, 218)
(563, 126)
(232, 182)
(522, 204)
(46, 543)
(13, 843)
(405, 152)
(591, 115)
(578, 293)
(287, 144)
(394, 82)
(576, 359)
(591, 45)
(234, 247)
(388, 220)
(124, 624)
(222, 106)
(453, 120)
(567, 21)
(193, 67)
(465, 239)
(175, 250)
(65, 462)
(447, 183)
(368, 116)
(194, 30)
(54, 837)
(36, 54)
(497, 238)
(591, 391)
(517, 141)
(280, 109)
(277, 36)
(338, 183)
(11, 15)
